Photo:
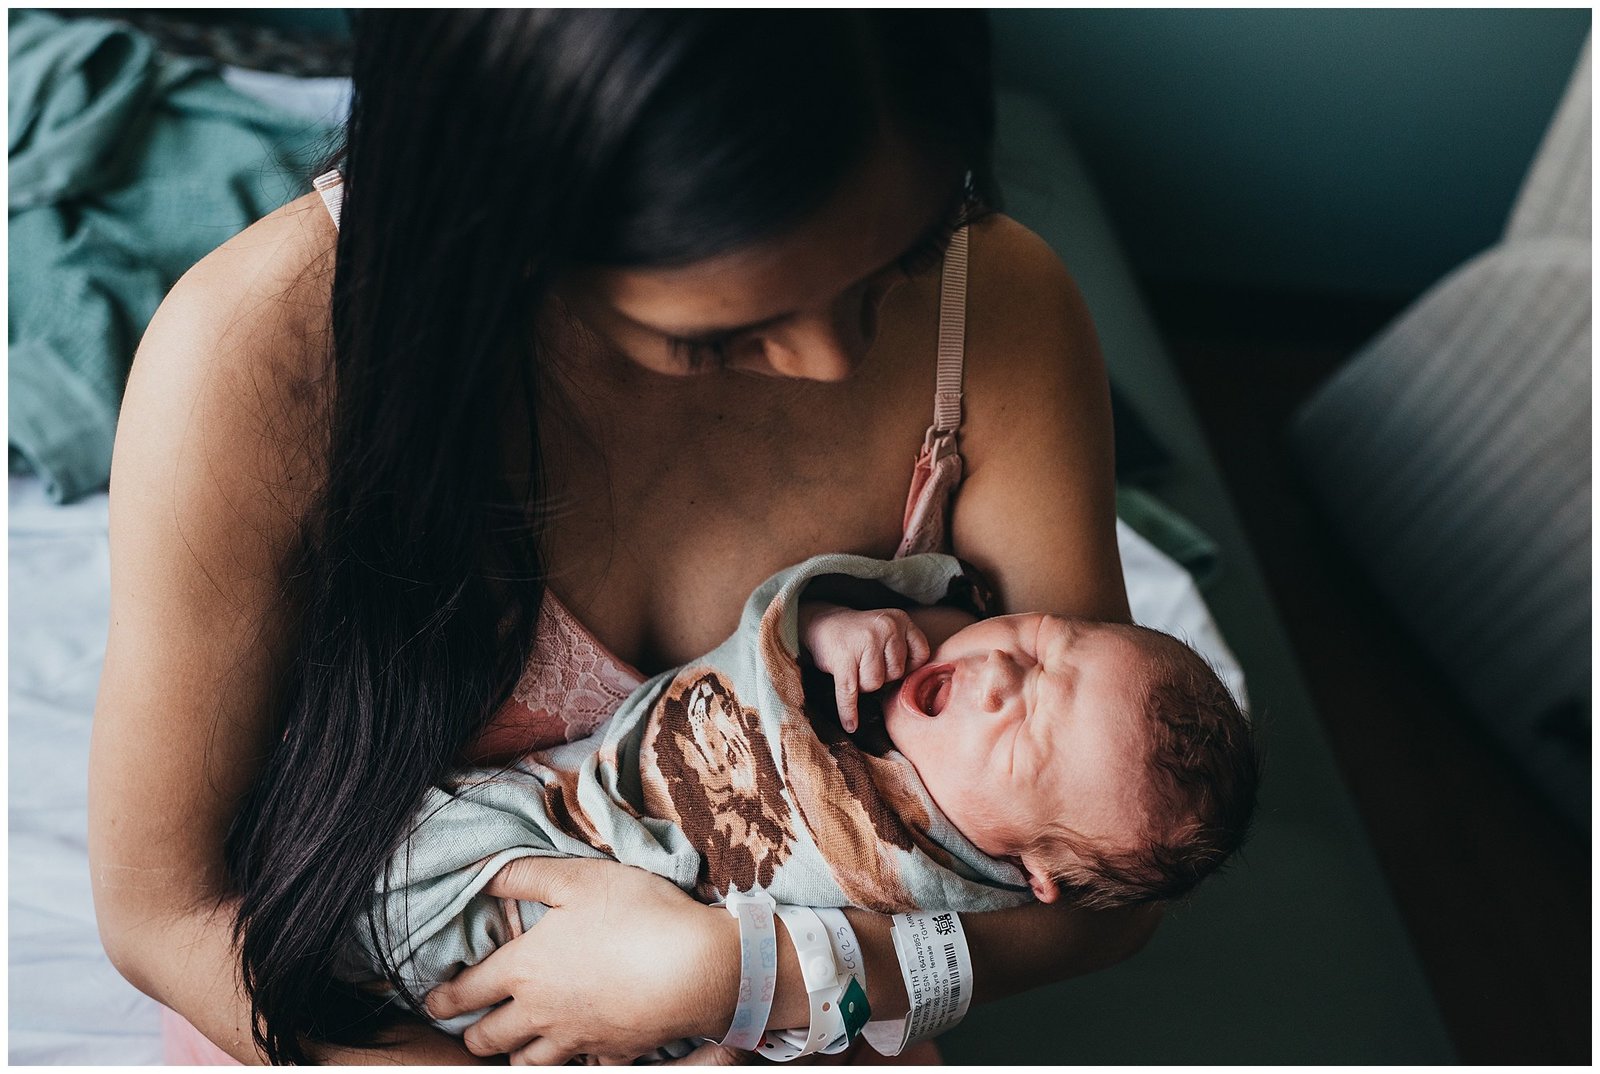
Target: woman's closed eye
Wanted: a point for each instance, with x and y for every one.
(710, 353)
(929, 252)
(705, 354)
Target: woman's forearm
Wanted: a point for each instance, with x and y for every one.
(1012, 951)
(187, 962)
(1029, 946)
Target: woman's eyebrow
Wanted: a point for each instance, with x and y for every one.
(940, 223)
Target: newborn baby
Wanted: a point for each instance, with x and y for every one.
(1026, 756)
(1107, 760)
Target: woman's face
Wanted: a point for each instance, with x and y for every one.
(803, 305)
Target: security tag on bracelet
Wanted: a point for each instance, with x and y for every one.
(854, 1007)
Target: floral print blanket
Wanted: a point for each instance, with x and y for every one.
(714, 775)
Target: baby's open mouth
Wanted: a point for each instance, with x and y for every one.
(927, 689)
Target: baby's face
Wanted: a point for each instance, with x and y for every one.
(1022, 719)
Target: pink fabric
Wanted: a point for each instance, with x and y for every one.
(571, 685)
(182, 1045)
(926, 527)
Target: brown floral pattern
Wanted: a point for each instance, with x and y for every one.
(561, 804)
(707, 767)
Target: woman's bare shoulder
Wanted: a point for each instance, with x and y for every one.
(217, 460)
(266, 290)
(1031, 344)
(1022, 301)
(228, 390)
(1036, 509)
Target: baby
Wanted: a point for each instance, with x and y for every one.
(1108, 761)
(1024, 756)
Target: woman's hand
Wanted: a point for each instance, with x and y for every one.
(622, 963)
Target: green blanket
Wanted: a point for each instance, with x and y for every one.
(127, 166)
(712, 775)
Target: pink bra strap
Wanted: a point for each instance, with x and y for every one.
(331, 186)
(952, 335)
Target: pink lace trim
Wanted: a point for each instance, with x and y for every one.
(570, 686)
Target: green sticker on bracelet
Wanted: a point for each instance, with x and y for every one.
(853, 1005)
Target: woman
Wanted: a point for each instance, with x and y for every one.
(630, 310)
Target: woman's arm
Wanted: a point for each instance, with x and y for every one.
(215, 463)
(1036, 512)
(660, 966)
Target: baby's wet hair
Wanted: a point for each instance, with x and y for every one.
(1204, 766)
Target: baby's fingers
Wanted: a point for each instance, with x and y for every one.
(895, 652)
(917, 649)
(873, 670)
(846, 694)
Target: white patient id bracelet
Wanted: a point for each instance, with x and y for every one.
(852, 966)
(825, 1025)
(846, 949)
(758, 967)
(937, 968)
(835, 990)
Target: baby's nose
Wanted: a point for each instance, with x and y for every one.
(999, 679)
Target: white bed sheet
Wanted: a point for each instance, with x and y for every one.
(68, 1004)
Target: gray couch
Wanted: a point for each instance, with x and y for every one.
(1453, 456)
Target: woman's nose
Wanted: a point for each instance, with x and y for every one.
(825, 347)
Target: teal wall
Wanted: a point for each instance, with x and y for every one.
(1358, 151)
(332, 21)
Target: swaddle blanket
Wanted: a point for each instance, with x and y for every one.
(711, 775)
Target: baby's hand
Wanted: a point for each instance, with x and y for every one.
(863, 651)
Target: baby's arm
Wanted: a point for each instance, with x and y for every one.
(866, 650)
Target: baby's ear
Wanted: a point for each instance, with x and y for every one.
(1039, 879)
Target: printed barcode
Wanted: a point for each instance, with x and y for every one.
(955, 975)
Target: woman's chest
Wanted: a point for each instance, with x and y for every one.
(656, 541)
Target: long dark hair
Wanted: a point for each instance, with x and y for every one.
(488, 153)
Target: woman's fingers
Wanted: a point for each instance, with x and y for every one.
(502, 1030)
(625, 963)
(472, 989)
(552, 881)
(540, 1052)
(712, 1055)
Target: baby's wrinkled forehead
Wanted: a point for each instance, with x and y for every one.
(1095, 635)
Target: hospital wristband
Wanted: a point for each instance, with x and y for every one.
(932, 950)
(852, 965)
(846, 948)
(758, 967)
(825, 1026)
